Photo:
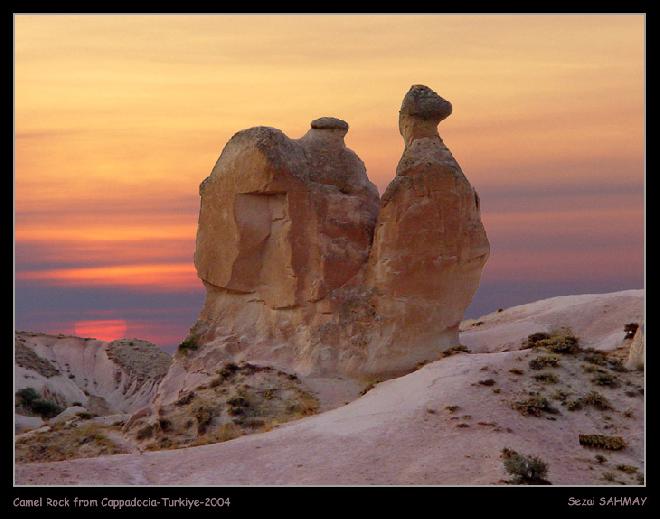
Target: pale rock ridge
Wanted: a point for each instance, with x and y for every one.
(117, 377)
(306, 272)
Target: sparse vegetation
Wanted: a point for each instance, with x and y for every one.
(27, 358)
(560, 395)
(27, 395)
(526, 470)
(188, 344)
(565, 343)
(145, 432)
(602, 441)
(605, 379)
(30, 401)
(452, 408)
(628, 469)
(534, 338)
(593, 399)
(602, 359)
(544, 361)
(185, 399)
(535, 405)
(454, 350)
(64, 442)
(141, 359)
(546, 378)
(241, 398)
(609, 476)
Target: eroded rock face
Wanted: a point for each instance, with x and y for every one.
(117, 377)
(429, 246)
(636, 355)
(306, 269)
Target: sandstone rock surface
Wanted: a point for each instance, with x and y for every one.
(308, 270)
(105, 378)
(636, 355)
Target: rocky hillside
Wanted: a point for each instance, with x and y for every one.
(559, 400)
(56, 372)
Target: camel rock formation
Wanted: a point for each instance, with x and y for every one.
(308, 270)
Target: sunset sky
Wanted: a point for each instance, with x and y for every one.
(119, 118)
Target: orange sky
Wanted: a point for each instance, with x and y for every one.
(118, 119)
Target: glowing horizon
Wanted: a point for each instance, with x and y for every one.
(118, 119)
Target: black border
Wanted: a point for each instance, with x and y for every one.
(294, 501)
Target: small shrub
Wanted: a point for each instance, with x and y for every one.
(534, 338)
(237, 406)
(27, 395)
(185, 399)
(547, 378)
(600, 458)
(228, 370)
(452, 408)
(145, 432)
(560, 395)
(487, 382)
(526, 470)
(454, 350)
(596, 400)
(605, 379)
(85, 416)
(516, 371)
(609, 476)
(45, 408)
(565, 344)
(536, 405)
(602, 441)
(217, 381)
(189, 345)
(628, 469)
(616, 365)
(634, 393)
(165, 424)
(544, 361)
(204, 416)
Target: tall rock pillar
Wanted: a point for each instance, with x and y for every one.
(429, 245)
